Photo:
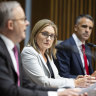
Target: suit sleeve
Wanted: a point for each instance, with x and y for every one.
(30, 85)
(64, 63)
(35, 70)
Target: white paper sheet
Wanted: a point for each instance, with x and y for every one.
(92, 87)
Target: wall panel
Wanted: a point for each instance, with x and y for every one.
(64, 13)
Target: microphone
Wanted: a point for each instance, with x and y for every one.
(65, 47)
(74, 49)
(62, 47)
(91, 44)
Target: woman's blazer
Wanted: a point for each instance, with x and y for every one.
(38, 72)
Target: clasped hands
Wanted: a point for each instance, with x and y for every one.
(81, 81)
(85, 80)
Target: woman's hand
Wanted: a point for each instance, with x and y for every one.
(84, 81)
(80, 76)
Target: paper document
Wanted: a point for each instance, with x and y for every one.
(88, 89)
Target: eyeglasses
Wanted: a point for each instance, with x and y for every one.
(46, 35)
(23, 19)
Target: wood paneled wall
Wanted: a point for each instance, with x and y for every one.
(40, 10)
(64, 13)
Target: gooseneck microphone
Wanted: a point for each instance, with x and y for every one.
(62, 47)
(91, 44)
(65, 47)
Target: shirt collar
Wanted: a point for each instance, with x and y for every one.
(7, 41)
(77, 41)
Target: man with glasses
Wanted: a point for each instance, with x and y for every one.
(13, 25)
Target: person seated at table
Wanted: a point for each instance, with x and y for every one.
(77, 59)
(38, 62)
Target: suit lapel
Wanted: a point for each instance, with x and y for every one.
(79, 60)
(44, 63)
(88, 54)
(6, 53)
(52, 66)
(20, 64)
(76, 53)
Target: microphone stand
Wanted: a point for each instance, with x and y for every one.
(93, 46)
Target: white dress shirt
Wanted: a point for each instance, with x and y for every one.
(10, 45)
(79, 46)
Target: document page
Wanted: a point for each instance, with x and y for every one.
(92, 87)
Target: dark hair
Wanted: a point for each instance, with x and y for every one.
(82, 16)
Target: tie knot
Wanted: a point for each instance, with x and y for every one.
(83, 46)
(15, 49)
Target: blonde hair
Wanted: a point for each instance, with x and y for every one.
(37, 29)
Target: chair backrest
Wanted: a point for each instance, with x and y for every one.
(59, 41)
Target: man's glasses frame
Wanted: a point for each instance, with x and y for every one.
(23, 19)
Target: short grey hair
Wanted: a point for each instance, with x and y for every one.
(6, 11)
(83, 16)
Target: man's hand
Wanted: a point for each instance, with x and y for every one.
(93, 74)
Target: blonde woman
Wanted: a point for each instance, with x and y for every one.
(37, 58)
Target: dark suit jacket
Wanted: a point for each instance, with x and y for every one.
(69, 61)
(8, 78)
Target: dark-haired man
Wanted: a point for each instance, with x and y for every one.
(77, 59)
